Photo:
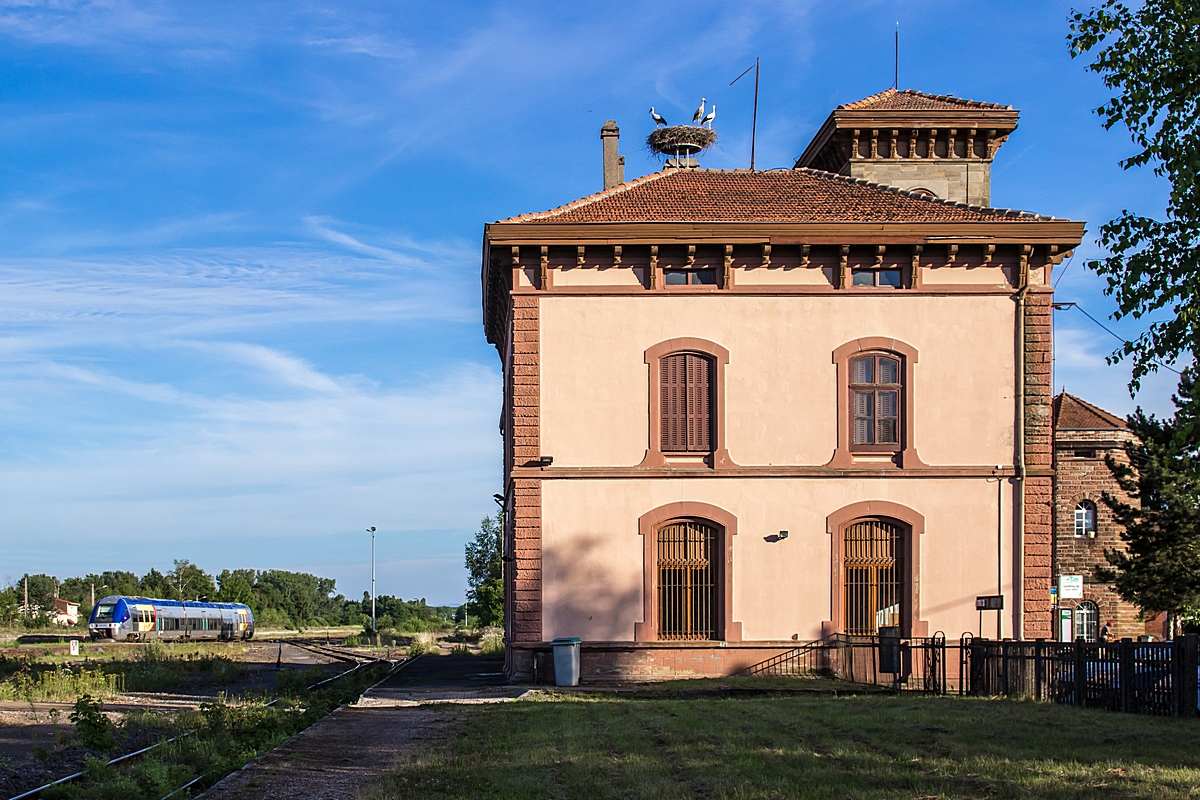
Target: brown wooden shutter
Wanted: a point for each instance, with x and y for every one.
(699, 406)
(674, 403)
(686, 391)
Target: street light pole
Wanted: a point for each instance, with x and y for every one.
(372, 530)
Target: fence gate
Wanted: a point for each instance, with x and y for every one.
(872, 564)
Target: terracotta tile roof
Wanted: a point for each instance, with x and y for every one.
(1071, 413)
(785, 195)
(912, 100)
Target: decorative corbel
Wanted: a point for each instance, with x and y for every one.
(971, 144)
(880, 250)
(804, 251)
(766, 255)
(990, 149)
(950, 144)
(516, 256)
(854, 145)
(933, 142)
(544, 269)
(653, 266)
(951, 253)
(691, 255)
(989, 250)
(1023, 265)
(727, 271)
(579, 252)
(516, 267)
(874, 144)
(912, 143)
(895, 152)
(843, 266)
(616, 255)
(916, 265)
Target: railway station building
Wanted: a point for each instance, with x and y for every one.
(746, 409)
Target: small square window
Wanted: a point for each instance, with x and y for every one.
(876, 277)
(690, 277)
(1085, 453)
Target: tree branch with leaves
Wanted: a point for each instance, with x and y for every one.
(1149, 58)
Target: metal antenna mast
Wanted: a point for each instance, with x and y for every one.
(896, 78)
(754, 118)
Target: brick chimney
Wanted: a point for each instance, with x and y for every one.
(614, 165)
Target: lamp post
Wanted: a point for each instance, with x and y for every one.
(372, 531)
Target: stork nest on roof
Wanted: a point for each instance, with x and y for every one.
(681, 139)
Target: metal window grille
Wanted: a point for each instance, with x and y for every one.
(872, 567)
(875, 399)
(687, 581)
(686, 403)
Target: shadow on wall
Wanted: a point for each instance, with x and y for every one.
(592, 589)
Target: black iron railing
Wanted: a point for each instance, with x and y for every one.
(1161, 678)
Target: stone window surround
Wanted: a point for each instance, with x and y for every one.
(912, 526)
(718, 457)
(649, 525)
(843, 456)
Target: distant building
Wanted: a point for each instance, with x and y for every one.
(1084, 435)
(748, 408)
(65, 612)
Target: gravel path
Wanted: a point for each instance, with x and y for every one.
(334, 757)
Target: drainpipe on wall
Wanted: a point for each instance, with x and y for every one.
(1019, 458)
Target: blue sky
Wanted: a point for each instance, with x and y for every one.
(239, 242)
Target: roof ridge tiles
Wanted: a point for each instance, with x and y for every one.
(786, 194)
(949, 99)
(589, 199)
(1008, 212)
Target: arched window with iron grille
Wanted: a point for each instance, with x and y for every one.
(1087, 621)
(873, 576)
(686, 578)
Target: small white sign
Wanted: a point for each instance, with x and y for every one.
(74, 647)
(1070, 587)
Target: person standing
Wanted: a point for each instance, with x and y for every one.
(1108, 632)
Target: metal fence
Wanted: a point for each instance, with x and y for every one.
(1160, 678)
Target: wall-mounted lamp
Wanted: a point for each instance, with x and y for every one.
(783, 534)
(546, 461)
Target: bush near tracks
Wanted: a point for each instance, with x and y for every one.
(153, 669)
(216, 740)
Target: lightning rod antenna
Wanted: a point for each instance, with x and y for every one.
(896, 78)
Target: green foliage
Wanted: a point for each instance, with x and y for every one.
(460, 650)
(1149, 58)
(278, 598)
(1161, 569)
(492, 642)
(32, 682)
(485, 572)
(93, 730)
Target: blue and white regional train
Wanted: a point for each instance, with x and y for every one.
(139, 619)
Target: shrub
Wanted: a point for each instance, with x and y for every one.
(460, 650)
(92, 728)
(492, 642)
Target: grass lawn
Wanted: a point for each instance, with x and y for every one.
(581, 746)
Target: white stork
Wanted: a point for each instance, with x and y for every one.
(709, 117)
(658, 120)
(699, 111)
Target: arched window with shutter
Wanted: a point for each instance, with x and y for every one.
(687, 404)
(686, 396)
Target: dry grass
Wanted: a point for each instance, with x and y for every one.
(799, 746)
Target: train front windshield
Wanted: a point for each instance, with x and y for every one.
(104, 613)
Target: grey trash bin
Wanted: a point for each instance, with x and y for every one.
(566, 661)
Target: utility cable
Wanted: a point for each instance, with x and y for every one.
(1109, 331)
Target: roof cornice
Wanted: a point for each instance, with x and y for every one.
(1066, 233)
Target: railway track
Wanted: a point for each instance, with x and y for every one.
(344, 655)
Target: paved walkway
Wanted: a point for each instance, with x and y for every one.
(351, 746)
